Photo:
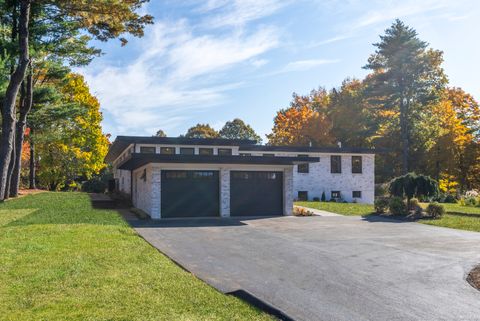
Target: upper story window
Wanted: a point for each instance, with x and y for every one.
(303, 168)
(205, 151)
(224, 151)
(357, 164)
(336, 164)
(167, 150)
(187, 151)
(147, 150)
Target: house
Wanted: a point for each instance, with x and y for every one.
(188, 177)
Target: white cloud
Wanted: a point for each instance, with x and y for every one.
(257, 63)
(390, 11)
(239, 12)
(302, 65)
(328, 41)
(176, 74)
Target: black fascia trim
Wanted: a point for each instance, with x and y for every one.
(306, 149)
(138, 160)
(122, 142)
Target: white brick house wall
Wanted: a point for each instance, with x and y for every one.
(320, 179)
(142, 189)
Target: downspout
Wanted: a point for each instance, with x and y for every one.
(131, 176)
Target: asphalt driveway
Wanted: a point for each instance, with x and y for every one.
(330, 268)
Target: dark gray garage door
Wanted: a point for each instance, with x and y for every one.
(256, 193)
(190, 194)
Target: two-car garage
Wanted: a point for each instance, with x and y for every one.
(196, 193)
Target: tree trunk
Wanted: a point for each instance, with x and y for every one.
(25, 108)
(11, 165)
(8, 112)
(32, 172)
(404, 135)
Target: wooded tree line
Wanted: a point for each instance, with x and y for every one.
(404, 108)
(49, 117)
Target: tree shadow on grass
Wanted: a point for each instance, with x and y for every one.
(464, 214)
(45, 211)
(375, 218)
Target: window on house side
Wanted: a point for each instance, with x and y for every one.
(356, 164)
(357, 194)
(147, 150)
(303, 168)
(187, 151)
(335, 195)
(205, 151)
(336, 164)
(302, 195)
(167, 150)
(224, 151)
(268, 155)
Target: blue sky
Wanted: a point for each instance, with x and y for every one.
(214, 60)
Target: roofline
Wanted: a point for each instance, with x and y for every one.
(138, 160)
(306, 149)
(122, 142)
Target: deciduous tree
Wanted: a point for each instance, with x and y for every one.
(237, 129)
(301, 126)
(102, 20)
(202, 131)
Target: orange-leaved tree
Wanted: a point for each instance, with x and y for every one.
(301, 126)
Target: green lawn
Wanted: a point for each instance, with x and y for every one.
(62, 260)
(457, 208)
(340, 208)
(458, 216)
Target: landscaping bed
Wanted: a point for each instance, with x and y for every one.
(61, 259)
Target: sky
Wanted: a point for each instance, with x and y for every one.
(212, 61)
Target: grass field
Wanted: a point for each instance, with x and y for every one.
(350, 209)
(62, 260)
(458, 216)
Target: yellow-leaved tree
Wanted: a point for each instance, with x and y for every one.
(72, 147)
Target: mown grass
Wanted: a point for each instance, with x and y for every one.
(62, 260)
(457, 217)
(457, 208)
(351, 209)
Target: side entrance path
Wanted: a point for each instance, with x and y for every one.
(330, 268)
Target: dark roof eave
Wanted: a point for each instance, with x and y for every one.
(139, 160)
(306, 149)
(122, 142)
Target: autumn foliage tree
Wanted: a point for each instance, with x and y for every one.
(57, 28)
(300, 126)
(403, 108)
(70, 145)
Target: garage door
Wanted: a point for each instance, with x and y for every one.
(256, 193)
(190, 194)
